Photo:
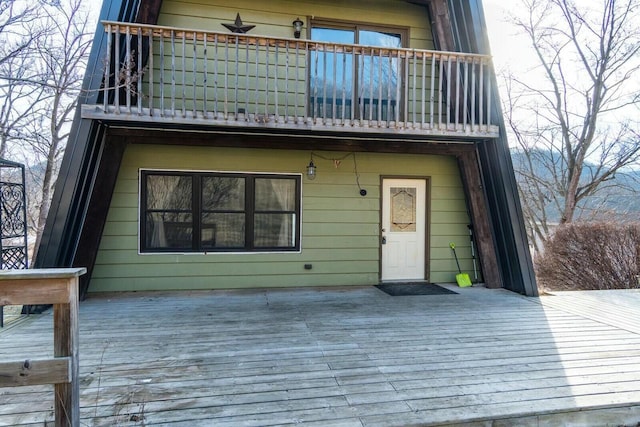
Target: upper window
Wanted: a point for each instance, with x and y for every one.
(365, 86)
(219, 212)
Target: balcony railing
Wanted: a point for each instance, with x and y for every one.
(210, 78)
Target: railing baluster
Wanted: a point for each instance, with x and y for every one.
(440, 84)
(195, 73)
(334, 66)
(225, 106)
(184, 75)
(266, 81)
(205, 75)
(315, 105)
(275, 84)
(457, 107)
(423, 112)
(128, 63)
(465, 106)
(173, 73)
(449, 87)
(297, 84)
(415, 81)
(286, 81)
(237, 70)
(354, 89)
(118, 71)
(361, 88)
(481, 97)
(150, 68)
(307, 78)
(140, 74)
(489, 96)
(216, 73)
(380, 83)
(162, 71)
(432, 90)
(246, 79)
(107, 72)
(406, 89)
(324, 84)
(370, 85)
(398, 90)
(344, 85)
(391, 73)
(473, 95)
(256, 91)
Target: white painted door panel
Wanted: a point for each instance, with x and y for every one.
(403, 229)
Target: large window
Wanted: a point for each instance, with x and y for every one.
(364, 85)
(219, 212)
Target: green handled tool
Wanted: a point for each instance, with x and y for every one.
(463, 279)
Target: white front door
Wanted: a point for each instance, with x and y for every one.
(403, 229)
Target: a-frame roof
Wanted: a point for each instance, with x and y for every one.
(87, 176)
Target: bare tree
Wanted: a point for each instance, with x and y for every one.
(62, 53)
(572, 114)
(18, 85)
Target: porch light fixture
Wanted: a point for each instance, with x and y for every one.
(311, 171)
(297, 29)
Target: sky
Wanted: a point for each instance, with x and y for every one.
(508, 48)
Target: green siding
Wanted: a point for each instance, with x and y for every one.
(340, 230)
(273, 18)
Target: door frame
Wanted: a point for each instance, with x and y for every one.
(427, 222)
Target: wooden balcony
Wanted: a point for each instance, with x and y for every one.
(197, 78)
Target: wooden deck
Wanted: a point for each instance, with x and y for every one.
(348, 357)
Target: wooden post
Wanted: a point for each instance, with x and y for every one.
(60, 288)
(483, 237)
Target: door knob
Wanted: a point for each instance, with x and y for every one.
(384, 240)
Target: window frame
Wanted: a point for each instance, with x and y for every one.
(197, 211)
(356, 27)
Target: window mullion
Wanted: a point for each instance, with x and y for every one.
(249, 209)
(196, 209)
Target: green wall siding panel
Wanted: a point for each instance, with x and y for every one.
(340, 230)
(273, 18)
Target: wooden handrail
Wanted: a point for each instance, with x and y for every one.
(253, 40)
(60, 288)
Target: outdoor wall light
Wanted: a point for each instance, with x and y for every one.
(297, 28)
(311, 171)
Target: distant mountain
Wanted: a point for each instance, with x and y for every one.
(619, 197)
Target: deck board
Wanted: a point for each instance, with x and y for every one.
(342, 357)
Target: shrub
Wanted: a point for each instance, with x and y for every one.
(591, 256)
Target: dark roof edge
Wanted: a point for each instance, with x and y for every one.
(470, 35)
(75, 179)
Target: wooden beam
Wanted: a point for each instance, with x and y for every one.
(100, 199)
(298, 142)
(34, 372)
(441, 25)
(482, 231)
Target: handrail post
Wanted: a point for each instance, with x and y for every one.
(60, 288)
(65, 344)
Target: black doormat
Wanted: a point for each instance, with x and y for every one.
(408, 288)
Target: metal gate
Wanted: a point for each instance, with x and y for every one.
(13, 219)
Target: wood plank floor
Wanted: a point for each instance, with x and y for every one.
(343, 357)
